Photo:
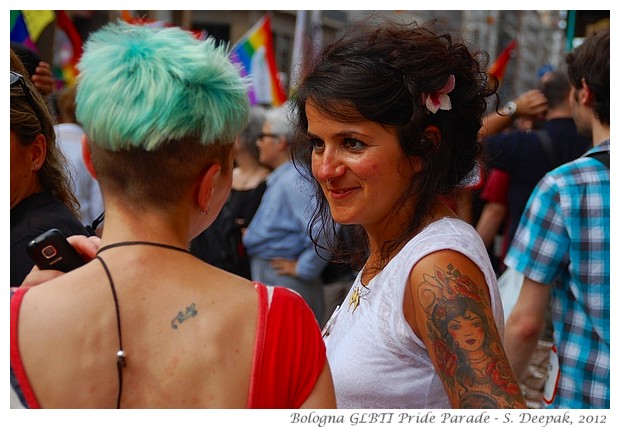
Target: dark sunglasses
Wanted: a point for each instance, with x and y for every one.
(261, 136)
(92, 228)
(18, 79)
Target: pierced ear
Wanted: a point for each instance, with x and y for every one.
(433, 133)
(86, 157)
(38, 150)
(206, 186)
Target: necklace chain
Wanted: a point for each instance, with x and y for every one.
(143, 243)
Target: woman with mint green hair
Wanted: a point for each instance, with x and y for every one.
(144, 324)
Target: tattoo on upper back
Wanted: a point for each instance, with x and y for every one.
(459, 326)
(183, 316)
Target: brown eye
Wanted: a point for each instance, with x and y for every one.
(317, 144)
(353, 144)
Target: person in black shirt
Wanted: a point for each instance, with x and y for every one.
(41, 196)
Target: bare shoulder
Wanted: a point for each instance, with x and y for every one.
(455, 272)
(232, 298)
(448, 306)
(189, 318)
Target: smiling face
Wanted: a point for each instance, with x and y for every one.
(367, 170)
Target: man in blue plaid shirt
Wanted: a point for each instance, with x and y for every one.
(562, 247)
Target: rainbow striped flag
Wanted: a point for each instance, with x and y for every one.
(27, 26)
(254, 53)
(69, 45)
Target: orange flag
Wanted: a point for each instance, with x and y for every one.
(499, 66)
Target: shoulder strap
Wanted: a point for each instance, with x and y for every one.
(264, 302)
(602, 156)
(293, 353)
(19, 378)
(547, 144)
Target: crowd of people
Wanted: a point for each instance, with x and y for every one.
(311, 255)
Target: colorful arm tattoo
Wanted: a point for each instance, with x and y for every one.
(465, 342)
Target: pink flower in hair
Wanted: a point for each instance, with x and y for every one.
(439, 99)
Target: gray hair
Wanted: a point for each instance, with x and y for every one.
(247, 137)
(278, 118)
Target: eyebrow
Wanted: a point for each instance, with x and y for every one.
(474, 316)
(344, 133)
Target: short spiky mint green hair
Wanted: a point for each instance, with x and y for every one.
(140, 87)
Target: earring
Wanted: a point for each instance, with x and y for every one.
(203, 212)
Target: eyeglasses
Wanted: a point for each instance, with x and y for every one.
(261, 136)
(92, 228)
(18, 79)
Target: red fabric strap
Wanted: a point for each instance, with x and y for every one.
(260, 342)
(16, 360)
(292, 355)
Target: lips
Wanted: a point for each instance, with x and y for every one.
(340, 193)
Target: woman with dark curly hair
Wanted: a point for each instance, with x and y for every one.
(388, 119)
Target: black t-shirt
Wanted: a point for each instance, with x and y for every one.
(522, 155)
(32, 217)
(220, 245)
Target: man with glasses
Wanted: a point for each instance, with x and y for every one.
(277, 241)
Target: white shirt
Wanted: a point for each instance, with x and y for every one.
(85, 187)
(375, 358)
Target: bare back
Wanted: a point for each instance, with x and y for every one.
(179, 317)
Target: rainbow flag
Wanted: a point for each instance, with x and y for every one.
(27, 26)
(254, 53)
(69, 46)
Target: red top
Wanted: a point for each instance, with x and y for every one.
(496, 187)
(289, 353)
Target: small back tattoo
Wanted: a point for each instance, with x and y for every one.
(183, 316)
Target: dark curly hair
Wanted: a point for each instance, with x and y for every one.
(381, 70)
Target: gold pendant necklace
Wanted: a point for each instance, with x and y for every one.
(354, 300)
(359, 294)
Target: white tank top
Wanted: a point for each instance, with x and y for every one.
(375, 358)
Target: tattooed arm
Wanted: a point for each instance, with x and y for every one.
(448, 306)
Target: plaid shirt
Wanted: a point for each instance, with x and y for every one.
(563, 239)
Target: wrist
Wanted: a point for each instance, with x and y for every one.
(510, 109)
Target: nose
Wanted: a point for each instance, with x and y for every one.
(327, 165)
